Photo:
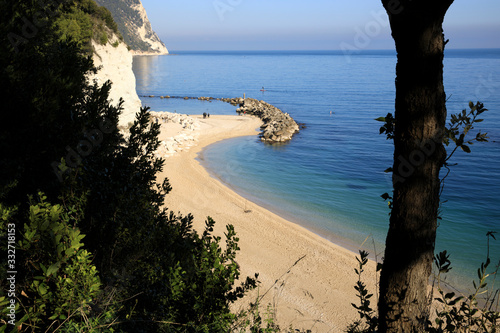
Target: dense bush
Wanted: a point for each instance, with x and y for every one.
(83, 21)
(139, 266)
(60, 284)
(452, 312)
(76, 26)
(90, 7)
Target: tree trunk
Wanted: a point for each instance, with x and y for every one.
(420, 118)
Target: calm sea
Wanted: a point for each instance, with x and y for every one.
(329, 178)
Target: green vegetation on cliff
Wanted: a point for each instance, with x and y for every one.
(84, 20)
(129, 19)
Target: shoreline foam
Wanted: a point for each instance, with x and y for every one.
(317, 292)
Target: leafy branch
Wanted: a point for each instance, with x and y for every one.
(389, 125)
(368, 321)
(460, 125)
(466, 314)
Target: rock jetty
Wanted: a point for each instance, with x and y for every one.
(278, 126)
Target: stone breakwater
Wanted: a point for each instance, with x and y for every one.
(278, 126)
(182, 134)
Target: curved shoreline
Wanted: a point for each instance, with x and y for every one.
(318, 291)
(343, 242)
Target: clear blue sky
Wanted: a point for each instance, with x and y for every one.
(306, 25)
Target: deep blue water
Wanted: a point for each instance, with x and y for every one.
(329, 178)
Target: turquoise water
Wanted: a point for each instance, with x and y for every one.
(329, 178)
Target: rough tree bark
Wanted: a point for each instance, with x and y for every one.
(420, 117)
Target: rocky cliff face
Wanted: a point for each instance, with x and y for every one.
(115, 59)
(115, 62)
(134, 25)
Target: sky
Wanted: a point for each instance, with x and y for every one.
(306, 25)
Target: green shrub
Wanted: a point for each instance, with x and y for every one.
(84, 21)
(368, 320)
(57, 281)
(458, 313)
(104, 38)
(163, 274)
(167, 272)
(106, 16)
(75, 26)
(453, 313)
(91, 8)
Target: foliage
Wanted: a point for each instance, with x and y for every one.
(90, 7)
(466, 314)
(41, 93)
(190, 281)
(104, 38)
(154, 270)
(389, 125)
(76, 26)
(58, 280)
(83, 21)
(255, 322)
(461, 124)
(463, 314)
(368, 321)
(172, 277)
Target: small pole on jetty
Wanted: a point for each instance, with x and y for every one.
(243, 95)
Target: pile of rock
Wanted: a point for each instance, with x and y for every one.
(233, 101)
(184, 128)
(278, 126)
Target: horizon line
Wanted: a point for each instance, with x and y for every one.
(321, 50)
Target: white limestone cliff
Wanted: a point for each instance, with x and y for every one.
(146, 33)
(115, 58)
(134, 25)
(115, 64)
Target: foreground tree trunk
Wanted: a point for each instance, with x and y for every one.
(418, 156)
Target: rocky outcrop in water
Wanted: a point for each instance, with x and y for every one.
(278, 126)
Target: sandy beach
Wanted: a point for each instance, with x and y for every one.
(317, 292)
